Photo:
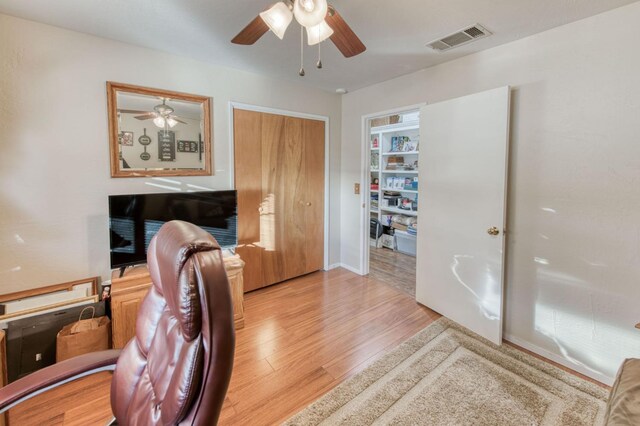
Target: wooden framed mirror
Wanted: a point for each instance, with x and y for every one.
(154, 132)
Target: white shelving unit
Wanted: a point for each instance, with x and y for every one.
(408, 191)
(400, 172)
(382, 152)
(396, 210)
(400, 152)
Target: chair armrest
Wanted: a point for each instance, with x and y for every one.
(56, 375)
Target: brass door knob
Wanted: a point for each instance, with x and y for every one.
(493, 231)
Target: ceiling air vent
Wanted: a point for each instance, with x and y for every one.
(467, 35)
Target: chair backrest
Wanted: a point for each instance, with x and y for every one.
(176, 369)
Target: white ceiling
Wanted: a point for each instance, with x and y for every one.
(395, 32)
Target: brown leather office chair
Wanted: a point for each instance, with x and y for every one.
(177, 368)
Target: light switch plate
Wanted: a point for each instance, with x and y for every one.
(356, 188)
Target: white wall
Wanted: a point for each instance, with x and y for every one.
(54, 152)
(573, 266)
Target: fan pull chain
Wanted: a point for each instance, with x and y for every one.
(301, 72)
(319, 63)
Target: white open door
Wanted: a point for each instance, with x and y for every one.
(462, 202)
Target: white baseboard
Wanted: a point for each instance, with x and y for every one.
(347, 267)
(559, 359)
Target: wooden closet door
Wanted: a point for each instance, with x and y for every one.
(274, 206)
(247, 128)
(314, 137)
(282, 232)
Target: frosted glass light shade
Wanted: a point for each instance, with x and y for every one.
(158, 121)
(171, 122)
(277, 18)
(319, 33)
(310, 13)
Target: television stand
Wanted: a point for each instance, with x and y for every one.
(128, 270)
(128, 290)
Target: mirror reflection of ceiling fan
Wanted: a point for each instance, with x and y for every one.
(163, 115)
(321, 21)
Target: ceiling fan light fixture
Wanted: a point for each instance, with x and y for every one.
(171, 122)
(159, 121)
(277, 18)
(310, 13)
(307, 5)
(319, 33)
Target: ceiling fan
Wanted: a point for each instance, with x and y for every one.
(162, 115)
(321, 21)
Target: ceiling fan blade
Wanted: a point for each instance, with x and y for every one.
(343, 36)
(252, 32)
(177, 119)
(132, 111)
(146, 116)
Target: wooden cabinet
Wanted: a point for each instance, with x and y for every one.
(279, 176)
(127, 294)
(235, 267)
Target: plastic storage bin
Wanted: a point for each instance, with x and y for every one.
(406, 243)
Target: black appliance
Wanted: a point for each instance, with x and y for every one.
(31, 341)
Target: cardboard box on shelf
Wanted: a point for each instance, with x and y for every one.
(395, 159)
(399, 226)
(385, 121)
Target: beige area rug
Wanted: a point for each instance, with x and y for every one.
(447, 375)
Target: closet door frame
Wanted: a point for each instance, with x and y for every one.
(268, 110)
(365, 166)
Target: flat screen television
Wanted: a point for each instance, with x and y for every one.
(135, 219)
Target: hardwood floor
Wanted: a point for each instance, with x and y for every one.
(301, 338)
(393, 268)
(305, 336)
(83, 402)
